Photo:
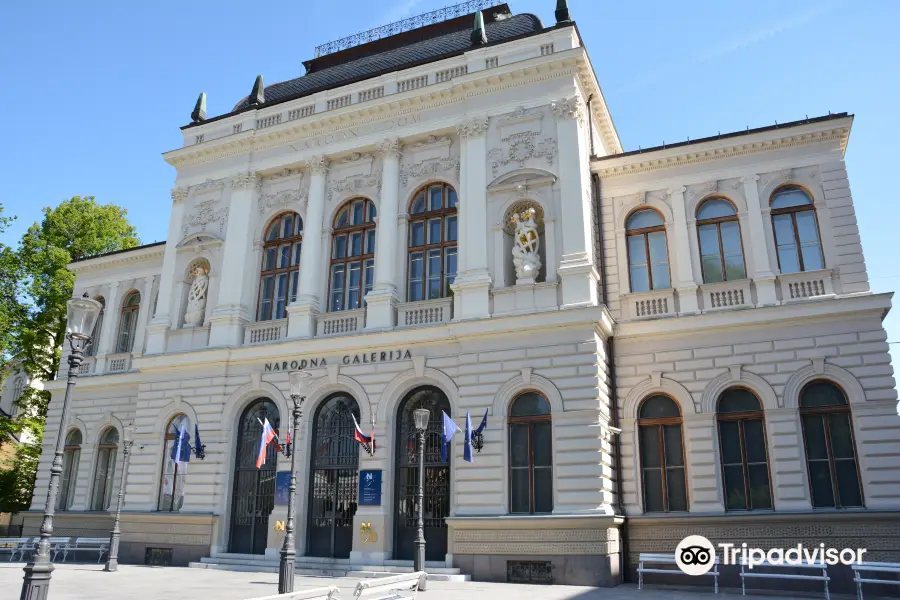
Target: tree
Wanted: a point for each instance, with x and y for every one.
(78, 228)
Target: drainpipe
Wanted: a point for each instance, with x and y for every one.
(590, 123)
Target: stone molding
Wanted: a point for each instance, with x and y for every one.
(319, 164)
(473, 128)
(245, 180)
(391, 148)
(179, 194)
(759, 386)
(568, 108)
(842, 377)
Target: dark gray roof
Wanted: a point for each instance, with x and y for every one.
(420, 52)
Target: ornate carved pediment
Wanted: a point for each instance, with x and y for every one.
(355, 184)
(206, 216)
(520, 148)
(284, 197)
(428, 168)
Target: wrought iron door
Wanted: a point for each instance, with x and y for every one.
(437, 477)
(254, 489)
(334, 476)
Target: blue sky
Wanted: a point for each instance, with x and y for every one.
(95, 91)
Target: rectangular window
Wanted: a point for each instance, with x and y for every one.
(353, 285)
(435, 198)
(416, 234)
(450, 232)
(356, 243)
(788, 259)
(266, 289)
(810, 248)
(369, 277)
(370, 242)
(734, 255)
(337, 288)
(519, 458)
(434, 274)
(416, 277)
(637, 262)
(659, 260)
(434, 231)
(709, 253)
(340, 246)
(449, 268)
(280, 295)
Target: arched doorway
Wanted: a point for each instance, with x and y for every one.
(253, 495)
(437, 477)
(334, 471)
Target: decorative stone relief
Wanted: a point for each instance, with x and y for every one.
(209, 184)
(521, 148)
(428, 167)
(179, 194)
(568, 108)
(526, 244)
(473, 127)
(205, 214)
(196, 302)
(390, 147)
(318, 164)
(267, 201)
(355, 184)
(245, 180)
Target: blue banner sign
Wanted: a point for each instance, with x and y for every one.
(282, 488)
(370, 487)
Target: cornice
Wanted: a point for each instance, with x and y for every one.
(711, 151)
(141, 255)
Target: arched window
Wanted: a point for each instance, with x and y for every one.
(171, 483)
(830, 447)
(530, 455)
(648, 257)
(280, 266)
(721, 255)
(128, 321)
(745, 461)
(98, 327)
(796, 231)
(432, 243)
(662, 455)
(352, 255)
(71, 456)
(106, 469)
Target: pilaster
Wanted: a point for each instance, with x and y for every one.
(231, 312)
(473, 281)
(763, 277)
(685, 282)
(159, 325)
(105, 345)
(302, 312)
(143, 315)
(381, 302)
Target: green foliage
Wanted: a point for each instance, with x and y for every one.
(34, 287)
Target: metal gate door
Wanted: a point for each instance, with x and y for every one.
(254, 489)
(437, 477)
(334, 474)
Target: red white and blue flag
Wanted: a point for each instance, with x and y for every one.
(268, 434)
(366, 441)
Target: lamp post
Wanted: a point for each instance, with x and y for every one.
(299, 385)
(420, 416)
(81, 314)
(112, 561)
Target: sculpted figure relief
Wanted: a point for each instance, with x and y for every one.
(525, 245)
(196, 304)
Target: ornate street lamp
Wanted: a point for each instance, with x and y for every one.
(420, 417)
(112, 561)
(299, 385)
(81, 314)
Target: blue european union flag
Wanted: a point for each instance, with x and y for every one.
(449, 429)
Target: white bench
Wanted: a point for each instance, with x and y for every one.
(17, 546)
(814, 572)
(866, 572)
(669, 559)
(391, 588)
(82, 544)
(322, 593)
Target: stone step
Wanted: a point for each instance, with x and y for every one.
(261, 565)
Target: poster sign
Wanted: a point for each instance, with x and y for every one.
(370, 487)
(282, 488)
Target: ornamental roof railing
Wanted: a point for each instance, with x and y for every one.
(429, 18)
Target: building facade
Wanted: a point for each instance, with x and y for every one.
(677, 340)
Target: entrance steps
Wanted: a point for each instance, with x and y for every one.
(313, 566)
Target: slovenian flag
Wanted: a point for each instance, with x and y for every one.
(367, 442)
(181, 451)
(268, 434)
(450, 428)
(472, 434)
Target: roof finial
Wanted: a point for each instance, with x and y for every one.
(562, 12)
(479, 36)
(258, 95)
(199, 113)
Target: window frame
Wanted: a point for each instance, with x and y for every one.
(645, 231)
(112, 456)
(128, 313)
(368, 224)
(276, 243)
(530, 421)
(741, 417)
(424, 217)
(717, 221)
(72, 452)
(823, 411)
(167, 449)
(792, 211)
(98, 328)
(660, 423)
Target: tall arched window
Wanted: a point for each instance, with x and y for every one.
(128, 321)
(171, 483)
(721, 255)
(648, 257)
(745, 460)
(352, 255)
(662, 455)
(71, 456)
(105, 471)
(530, 455)
(796, 231)
(98, 327)
(830, 448)
(432, 243)
(280, 266)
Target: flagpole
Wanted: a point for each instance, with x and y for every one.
(174, 488)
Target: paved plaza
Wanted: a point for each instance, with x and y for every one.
(89, 582)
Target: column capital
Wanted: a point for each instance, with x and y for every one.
(677, 190)
(246, 180)
(390, 148)
(179, 194)
(749, 179)
(568, 108)
(318, 164)
(474, 127)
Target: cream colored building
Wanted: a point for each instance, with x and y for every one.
(447, 220)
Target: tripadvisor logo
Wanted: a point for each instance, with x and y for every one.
(695, 555)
